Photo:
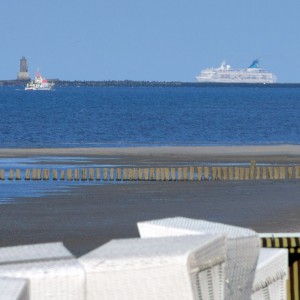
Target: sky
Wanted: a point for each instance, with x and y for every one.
(153, 40)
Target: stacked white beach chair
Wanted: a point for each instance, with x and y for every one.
(46, 271)
(243, 246)
(14, 289)
(271, 275)
(175, 258)
(188, 267)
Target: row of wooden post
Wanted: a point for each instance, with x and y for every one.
(156, 174)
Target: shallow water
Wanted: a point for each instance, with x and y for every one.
(12, 191)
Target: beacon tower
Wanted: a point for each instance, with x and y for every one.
(23, 74)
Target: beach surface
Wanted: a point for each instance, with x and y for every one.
(89, 215)
(168, 154)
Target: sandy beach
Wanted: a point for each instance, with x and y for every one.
(89, 215)
(168, 154)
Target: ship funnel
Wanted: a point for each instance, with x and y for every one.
(254, 65)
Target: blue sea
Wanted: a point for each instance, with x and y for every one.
(138, 116)
(149, 116)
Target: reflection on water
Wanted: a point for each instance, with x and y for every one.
(49, 162)
(12, 191)
(16, 191)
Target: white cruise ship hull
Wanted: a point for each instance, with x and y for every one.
(225, 74)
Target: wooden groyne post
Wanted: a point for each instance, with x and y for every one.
(181, 173)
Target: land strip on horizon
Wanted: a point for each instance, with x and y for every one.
(138, 83)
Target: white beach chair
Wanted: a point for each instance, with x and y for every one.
(243, 247)
(14, 289)
(270, 281)
(50, 269)
(35, 252)
(161, 268)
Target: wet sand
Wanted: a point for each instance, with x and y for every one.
(276, 153)
(89, 216)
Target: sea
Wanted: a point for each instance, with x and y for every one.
(142, 116)
(149, 116)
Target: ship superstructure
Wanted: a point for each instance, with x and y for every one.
(225, 74)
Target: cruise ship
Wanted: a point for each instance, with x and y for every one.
(225, 74)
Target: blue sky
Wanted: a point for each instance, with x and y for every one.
(164, 40)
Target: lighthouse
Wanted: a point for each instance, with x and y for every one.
(23, 74)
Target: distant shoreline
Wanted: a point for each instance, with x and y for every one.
(139, 83)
